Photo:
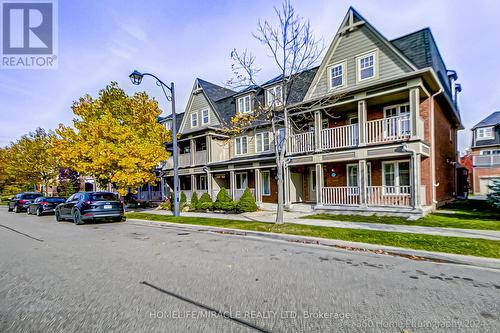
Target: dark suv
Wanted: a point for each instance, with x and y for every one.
(89, 206)
(22, 201)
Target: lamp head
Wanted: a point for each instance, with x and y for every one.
(136, 77)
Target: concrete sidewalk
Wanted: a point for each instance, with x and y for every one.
(295, 217)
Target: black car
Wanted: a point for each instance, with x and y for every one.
(90, 206)
(22, 201)
(43, 205)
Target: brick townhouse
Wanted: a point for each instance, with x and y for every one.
(485, 151)
(388, 144)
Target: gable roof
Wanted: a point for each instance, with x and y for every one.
(213, 91)
(421, 48)
(492, 120)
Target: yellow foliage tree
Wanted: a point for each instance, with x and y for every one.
(115, 138)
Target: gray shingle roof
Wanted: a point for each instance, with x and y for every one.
(215, 92)
(421, 49)
(492, 120)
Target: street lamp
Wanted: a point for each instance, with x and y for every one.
(136, 78)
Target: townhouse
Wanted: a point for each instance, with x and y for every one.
(485, 151)
(372, 129)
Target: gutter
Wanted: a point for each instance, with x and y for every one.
(433, 147)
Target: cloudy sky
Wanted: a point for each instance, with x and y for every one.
(104, 40)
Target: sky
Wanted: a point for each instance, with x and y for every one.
(104, 40)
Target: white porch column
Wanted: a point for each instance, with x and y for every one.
(193, 183)
(232, 184)
(320, 183)
(318, 126)
(362, 118)
(210, 185)
(362, 182)
(208, 139)
(286, 186)
(192, 149)
(415, 122)
(415, 186)
(258, 187)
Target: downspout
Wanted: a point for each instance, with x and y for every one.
(433, 147)
(416, 185)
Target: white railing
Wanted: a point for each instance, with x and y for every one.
(340, 137)
(341, 195)
(301, 143)
(150, 196)
(388, 195)
(486, 160)
(388, 129)
(184, 160)
(200, 157)
(239, 192)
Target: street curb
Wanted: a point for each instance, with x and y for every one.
(419, 255)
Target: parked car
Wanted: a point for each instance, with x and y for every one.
(89, 206)
(22, 201)
(43, 205)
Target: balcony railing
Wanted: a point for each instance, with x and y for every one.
(388, 195)
(184, 160)
(388, 129)
(301, 143)
(239, 192)
(150, 195)
(341, 195)
(340, 137)
(200, 157)
(486, 160)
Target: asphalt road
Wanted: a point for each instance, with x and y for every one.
(133, 277)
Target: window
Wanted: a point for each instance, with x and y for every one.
(204, 116)
(275, 96)
(366, 66)
(168, 125)
(241, 180)
(490, 152)
(397, 120)
(484, 133)
(266, 183)
(352, 175)
(194, 119)
(336, 76)
(396, 177)
(241, 146)
(244, 104)
(262, 142)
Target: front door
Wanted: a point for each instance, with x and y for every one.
(312, 184)
(297, 187)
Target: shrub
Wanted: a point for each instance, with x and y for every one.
(165, 205)
(493, 197)
(247, 202)
(194, 201)
(224, 201)
(205, 202)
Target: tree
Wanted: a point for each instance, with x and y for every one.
(205, 202)
(31, 161)
(194, 201)
(224, 201)
(68, 182)
(247, 202)
(493, 198)
(294, 49)
(115, 138)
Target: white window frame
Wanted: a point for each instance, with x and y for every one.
(168, 125)
(203, 180)
(271, 95)
(343, 75)
(238, 143)
(268, 181)
(396, 177)
(260, 148)
(481, 133)
(194, 120)
(203, 116)
(243, 99)
(398, 131)
(490, 152)
(360, 57)
(239, 174)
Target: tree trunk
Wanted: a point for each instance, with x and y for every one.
(279, 176)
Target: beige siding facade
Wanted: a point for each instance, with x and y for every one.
(197, 104)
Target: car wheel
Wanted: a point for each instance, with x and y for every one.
(77, 217)
(58, 217)
(16, 209)
(28, 211)
(9, 209)
(39, 212)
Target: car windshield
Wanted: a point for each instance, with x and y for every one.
(52, 200)
(31, 196)
(103, 197)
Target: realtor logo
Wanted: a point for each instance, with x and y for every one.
(29, 38)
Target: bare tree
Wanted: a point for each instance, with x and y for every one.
(294, 49)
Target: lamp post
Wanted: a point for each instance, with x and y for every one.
(136, 78)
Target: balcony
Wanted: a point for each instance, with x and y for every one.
(486, 160)
(200, 157)
(184, 160)
(377, 131)
(375, 196)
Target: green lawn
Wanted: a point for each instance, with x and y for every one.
(458, 245)
(470, 214)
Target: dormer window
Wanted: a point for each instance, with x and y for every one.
(366, 66)
(244, 104)
(336, 76)
(194, 119)
(275, 96)
(484, 133)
